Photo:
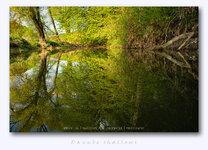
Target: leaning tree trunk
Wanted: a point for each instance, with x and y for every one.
(57, 35)
(35, 16)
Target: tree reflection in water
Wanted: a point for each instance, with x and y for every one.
(96, 90)
(58, 95)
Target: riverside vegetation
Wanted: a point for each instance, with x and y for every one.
(104, 69)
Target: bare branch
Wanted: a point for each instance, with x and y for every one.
(190, 35)
(162, 47)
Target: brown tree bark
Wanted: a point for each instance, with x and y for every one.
(35, 16)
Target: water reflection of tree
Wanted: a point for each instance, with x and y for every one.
(89, 88)
(85, 93)
(31, 100)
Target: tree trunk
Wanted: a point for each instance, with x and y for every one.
(35, 16)
(57, 35)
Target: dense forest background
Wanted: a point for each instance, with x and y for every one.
(143, 62)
